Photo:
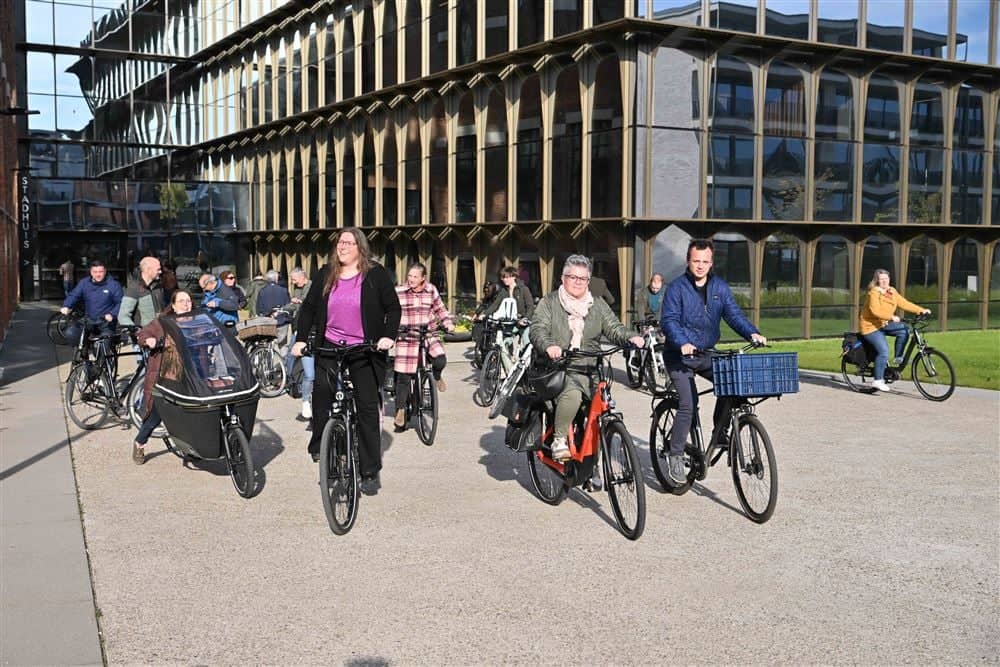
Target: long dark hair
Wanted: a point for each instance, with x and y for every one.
(169, 310)
(364, 257)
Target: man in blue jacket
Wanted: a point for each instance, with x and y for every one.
(101, 296)
(694, 306)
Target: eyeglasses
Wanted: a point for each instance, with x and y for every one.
(576, 279)
(230, 278)
(347, 243)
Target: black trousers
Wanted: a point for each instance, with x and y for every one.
(682, 372)
(367, 373)
(403, 380)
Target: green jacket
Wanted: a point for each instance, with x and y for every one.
(551, 327)
(141, 303)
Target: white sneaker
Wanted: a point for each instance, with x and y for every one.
(307, 410)
(880, 385)
(560, 449)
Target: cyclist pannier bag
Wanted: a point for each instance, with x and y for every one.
(544, 380)
(853, 349)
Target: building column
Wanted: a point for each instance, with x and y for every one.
(512, 88)
(450, 269)
(808, 250)
(628, 70)
(547, 85)
(905, 108)
(481, 102)
(587, 69)
(402, 117)
(321, 148)
(946, 251)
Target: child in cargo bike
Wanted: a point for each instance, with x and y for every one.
(693, 308)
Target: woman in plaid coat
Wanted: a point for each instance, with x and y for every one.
(421, 305)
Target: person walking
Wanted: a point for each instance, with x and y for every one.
(299, 289)
(352, 300)
(67, 272)
(143, 299)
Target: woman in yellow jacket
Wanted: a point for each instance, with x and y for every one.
(879, 319)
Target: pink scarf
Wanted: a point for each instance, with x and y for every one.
(577, 310)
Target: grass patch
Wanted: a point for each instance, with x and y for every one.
(974, 354)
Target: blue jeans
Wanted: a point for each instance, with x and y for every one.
(878, 340)
(149, 425)
(308, 370)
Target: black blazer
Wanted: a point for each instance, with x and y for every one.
(380, 309)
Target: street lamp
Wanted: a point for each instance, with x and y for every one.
(19, 111)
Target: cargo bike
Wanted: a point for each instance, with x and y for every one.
(207, 395)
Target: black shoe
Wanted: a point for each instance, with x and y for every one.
(315, 456)
(723, 442)
(370, 484)
(300, 418)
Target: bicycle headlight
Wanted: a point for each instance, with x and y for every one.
(339, 396)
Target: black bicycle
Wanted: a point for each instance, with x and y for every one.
(338, 450)
(94, 392)
(930, 369)
(423, 400)
(748, 452)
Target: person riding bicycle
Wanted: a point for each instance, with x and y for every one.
(421, 304)
(570, 318)
(352, 300)
(879, 319)
(511, 287)
(649, 301)
(101, 296)
(693, 307)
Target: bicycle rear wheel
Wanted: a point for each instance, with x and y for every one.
(755, 473)
(506, 390)
(240, 461)
(135, 400)
(856, 377)
(269, 370)
(338, 477)
(427, 409)
(549, 484)
(659, 446)
(489, 378)
(933, 375)
(623, 478)
(88, 399)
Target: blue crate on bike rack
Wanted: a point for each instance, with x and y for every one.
(762, 374)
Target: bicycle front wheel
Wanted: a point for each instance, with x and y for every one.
(755, 473)
(240, 461)
(427, 409)
(633, 368)
(506, 390)
(623, 477)
(88, 399)
(135, 399)
(489, 378)
(269, 370)
(338, 477)
(933, 375)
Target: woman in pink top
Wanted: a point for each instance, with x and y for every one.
(352, 299)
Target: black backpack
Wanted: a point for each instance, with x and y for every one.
(854, 349)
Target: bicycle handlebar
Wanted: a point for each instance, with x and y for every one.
(712, 352)
(336, 349)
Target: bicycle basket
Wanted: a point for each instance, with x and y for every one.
(71, 333)
(762, 374)
(257, 327)
(853, 348)
(544, 380)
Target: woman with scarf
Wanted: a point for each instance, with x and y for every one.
(571, 319)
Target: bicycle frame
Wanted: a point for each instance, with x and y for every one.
(510, 346)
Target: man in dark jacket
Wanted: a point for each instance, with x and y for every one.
(272, 296)
(143, 299)
(101, 296)
(693, 308)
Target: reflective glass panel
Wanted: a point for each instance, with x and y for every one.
(885, 25)
(831, 288)
(969, 130)
(926, 175)
(964, 284)
(967, 187)
(738, 15)
(834, 106)
(880, 183)
(922, 270)
(787, 18)
(687, 12)
(930, 28)
(781, 294)
(784, 178)
(973, 31)
(834, 165)
(496, 26)
(838, 22)
(882, 110)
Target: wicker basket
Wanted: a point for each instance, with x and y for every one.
(257, 327)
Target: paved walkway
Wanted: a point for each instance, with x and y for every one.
(883, 548)
(47, 614)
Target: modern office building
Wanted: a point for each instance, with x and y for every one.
(814, 140)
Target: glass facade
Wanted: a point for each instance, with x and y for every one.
(350, 113)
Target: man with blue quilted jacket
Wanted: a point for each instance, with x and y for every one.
(693, 309)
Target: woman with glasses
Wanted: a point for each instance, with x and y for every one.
(228, 279)
(352, 300)
(570, 318)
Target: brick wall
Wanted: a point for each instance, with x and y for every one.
(8, 161)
